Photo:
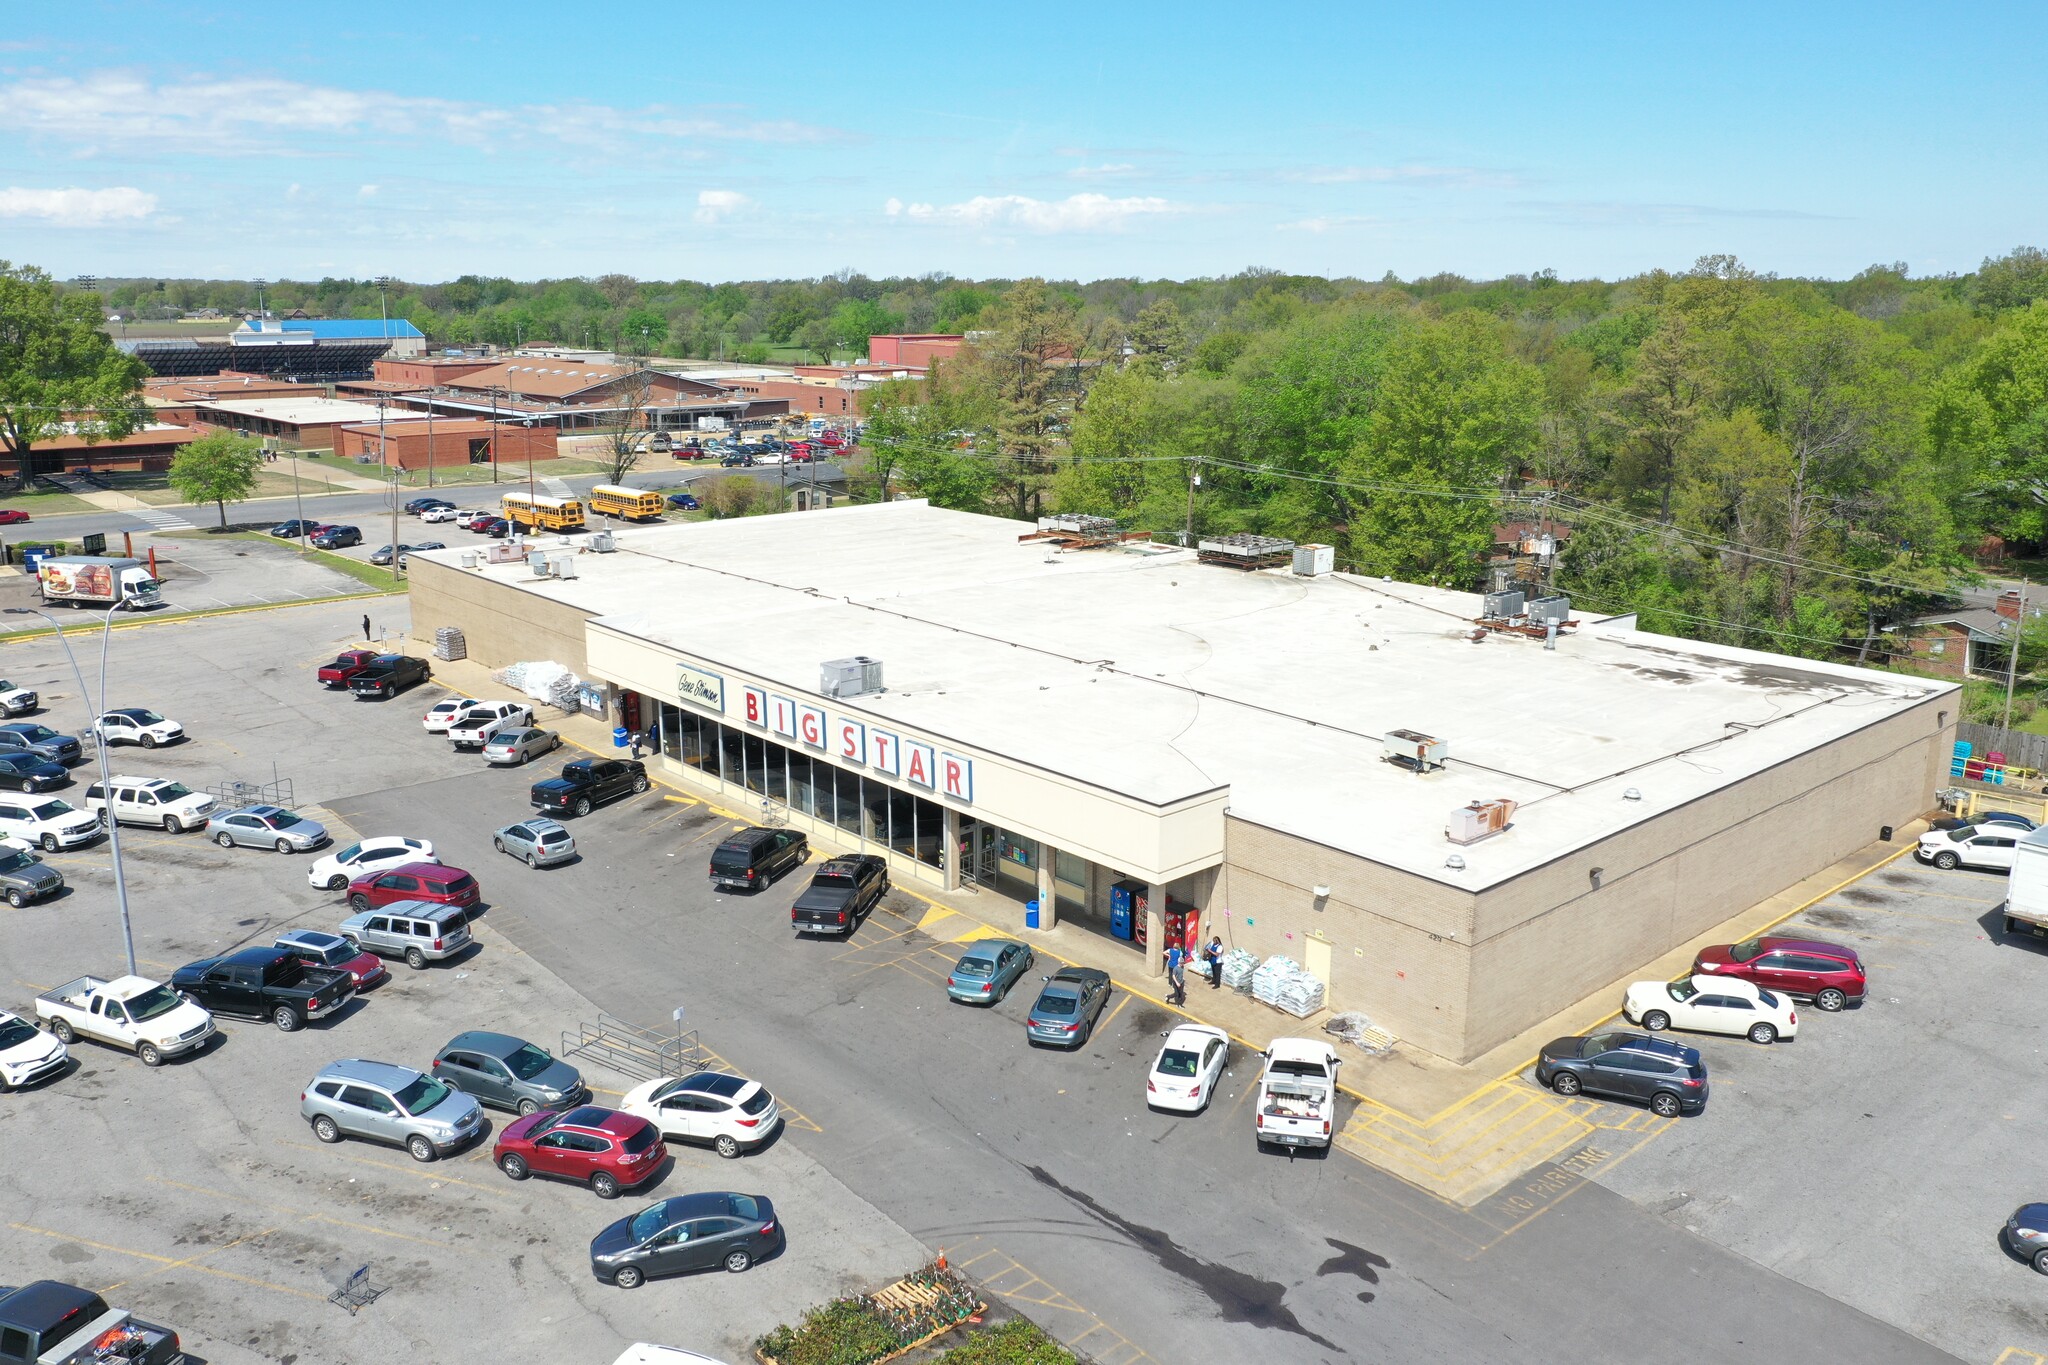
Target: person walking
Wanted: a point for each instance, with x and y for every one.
(1176, 975)
(1213, 955)
(366, 625)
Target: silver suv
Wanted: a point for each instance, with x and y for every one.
(385, 1103)
(418, 931)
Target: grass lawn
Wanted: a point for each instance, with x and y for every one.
(510, 475)
(50, 504)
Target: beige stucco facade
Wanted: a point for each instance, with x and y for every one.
(499, 627)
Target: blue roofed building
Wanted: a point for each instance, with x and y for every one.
(406, 340)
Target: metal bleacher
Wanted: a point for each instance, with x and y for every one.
(635, 1051)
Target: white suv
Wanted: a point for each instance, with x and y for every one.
(152, 801)
(47, 821)
(480, 722)
(138, 725)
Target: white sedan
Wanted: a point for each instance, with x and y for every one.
(137, 725)
(442, 713)
(728, 1112)
(1188, 1069)
(337, 870)
(441, 514)
(1712, 1004)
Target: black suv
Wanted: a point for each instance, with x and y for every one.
(753, 858)
(588, 781)
(841, 891)
(1668, 1076)
(389, 674)
(337, 537)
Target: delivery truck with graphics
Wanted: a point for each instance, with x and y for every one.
(91, 581)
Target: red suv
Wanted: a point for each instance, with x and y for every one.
(413, 882)
(1828, 974)
(601, 1148)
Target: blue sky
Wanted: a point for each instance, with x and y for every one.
(723, 142)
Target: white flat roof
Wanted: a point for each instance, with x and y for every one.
(309, 411)
(1157, 676)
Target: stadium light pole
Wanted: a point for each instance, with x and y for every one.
(99, 748)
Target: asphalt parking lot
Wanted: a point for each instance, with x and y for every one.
(1877, 1156)
(194, 1193)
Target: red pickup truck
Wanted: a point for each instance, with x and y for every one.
(345, 666)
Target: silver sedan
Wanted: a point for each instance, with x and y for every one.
(266, 827)
(509, 748)
(540, 842)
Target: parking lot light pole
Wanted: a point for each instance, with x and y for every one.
(99, 747)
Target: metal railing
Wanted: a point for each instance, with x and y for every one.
(236, 795)
(634, 1051)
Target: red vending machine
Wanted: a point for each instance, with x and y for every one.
(1182, 925)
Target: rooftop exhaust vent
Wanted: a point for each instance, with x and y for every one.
(1479, 820)
(854, 677)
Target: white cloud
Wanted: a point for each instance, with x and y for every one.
(712, 205)
(1110, 170)
(116, 109)
(1459, 177)
(77, 207)
(367, 192)
(1075, 213)
(1327, 222)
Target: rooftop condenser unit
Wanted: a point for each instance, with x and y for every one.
(1550, 611)
(854, 677)
(1413, 749)
(1502, 606)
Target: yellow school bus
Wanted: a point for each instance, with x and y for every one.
(543, 513)
(613, 501)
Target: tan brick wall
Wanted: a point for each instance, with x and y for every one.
(1457, 974)
(1547, 938)
(1395, 939)
(501, 625)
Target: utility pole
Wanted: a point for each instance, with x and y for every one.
(384, 455)
(494, 435)
(2012, 667)
(1194, 482)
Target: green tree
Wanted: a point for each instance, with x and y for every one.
(219, 468)
(58, 371)
(2013, 280)
(919, 439)
(1450, 423)
(1025, 378)
(1658, 407)
(1988, 422)
(854, 321)
(1158, 338)
(815, 338)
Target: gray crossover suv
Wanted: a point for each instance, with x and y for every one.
(509, 1073)
(385, 1103)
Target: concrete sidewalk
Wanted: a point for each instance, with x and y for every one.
(1458, 1131)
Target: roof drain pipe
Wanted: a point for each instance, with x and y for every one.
(1550, 635)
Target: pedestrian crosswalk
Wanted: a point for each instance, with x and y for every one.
(557, 489)
(161, 520)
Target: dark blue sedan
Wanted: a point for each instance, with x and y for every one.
(684, 502)
(27, 773)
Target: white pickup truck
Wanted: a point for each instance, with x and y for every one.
(1297, 1094)
(146, 1017)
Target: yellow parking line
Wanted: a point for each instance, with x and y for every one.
(309, 1217)
(168, 1262)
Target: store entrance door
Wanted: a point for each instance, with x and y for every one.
(979, 843)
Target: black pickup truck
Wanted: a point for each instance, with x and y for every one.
(841, 891)
(388, 675)
(265, 983)
(586, 782)
(48, 1323)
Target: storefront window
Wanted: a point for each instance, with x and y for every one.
(903, 823)
(931, 832)
(847, 787)
(802, 795)
(1069, 868)
(671, 731)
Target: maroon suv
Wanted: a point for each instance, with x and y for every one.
(413, 882)
(1828, 974)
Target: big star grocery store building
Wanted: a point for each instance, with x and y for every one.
(1127, 732)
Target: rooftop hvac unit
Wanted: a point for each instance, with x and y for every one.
(1313, 561)
(1505, 605)
(564, 566)
(1546, 611)
(854, 677)
(538, 562)
(1481, 819)
(1245, 551)
(1413, 749)
(603, 543)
